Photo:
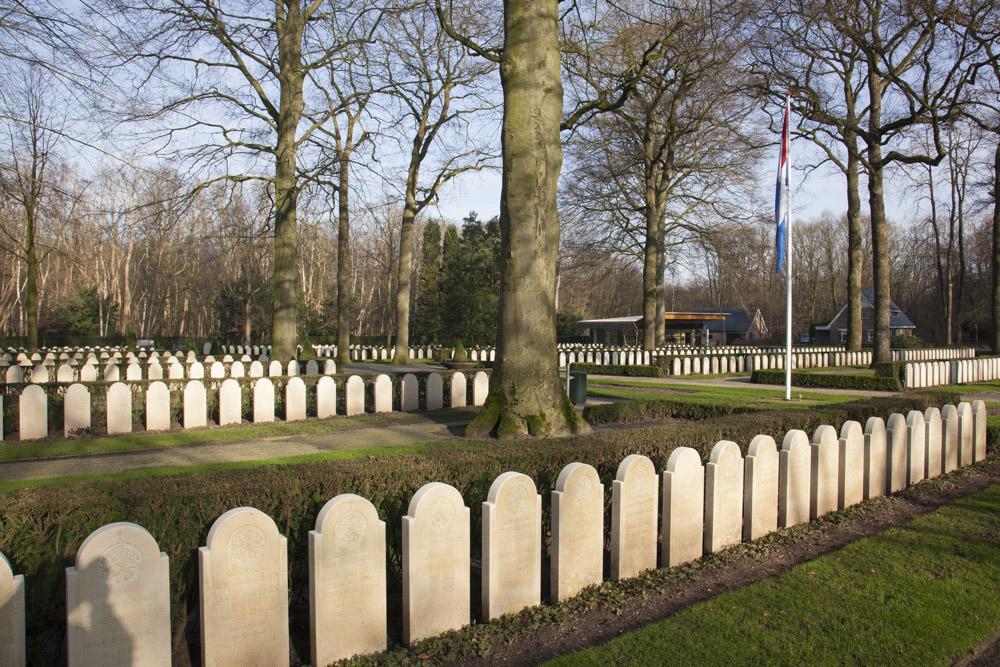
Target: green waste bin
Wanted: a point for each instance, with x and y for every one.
(577, 387)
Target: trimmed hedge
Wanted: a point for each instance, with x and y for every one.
(650, 409)
(829, 381)
(889, 369)
(615, 369)
(41, 528)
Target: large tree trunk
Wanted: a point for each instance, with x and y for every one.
(343, 265)
(650, 261)
(996, 249)
(526, 395)
(880, 236)
(661, 297)
(855, 248)
(405, 268)
(290, 24)
(31, 286)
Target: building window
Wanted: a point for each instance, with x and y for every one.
(895, 313)
(843, 335)
(866, 313)
(871, 335)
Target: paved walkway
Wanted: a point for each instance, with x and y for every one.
(304, 444)
(233, 451)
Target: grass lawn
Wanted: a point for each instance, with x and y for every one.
(749, 395)
(123, 443)
(922, 594)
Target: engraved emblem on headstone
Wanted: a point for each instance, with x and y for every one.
(582, 490)
(246, 547)
(517, 502)
(350, 530)
(440, 515)
(120, 564)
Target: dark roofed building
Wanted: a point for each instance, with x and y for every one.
(741, 325)
(836, 331)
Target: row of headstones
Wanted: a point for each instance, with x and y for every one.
(118, 595)
(33, 419)
(382, 353)
(934, 354)
(116, 358)
(65, 353)
(240, 349)
(934, 373)
(712, 365)
(176, 370)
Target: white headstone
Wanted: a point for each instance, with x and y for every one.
(295, 400)
(347, 585)
(851, 485)
(39, 374)
(76, 409)
(326, 397)
(88, 373)
(175, 371)
(154, 372)
(274, 368)
(383, 393)
(118, 600)
(950, 443)
(111, 373)
(434, 392)
(157, 407)
(634, 501)
(916, 447)
(409, 394)
(196, 371)
(979, 429)
(458, 390)
(875, 453)
(436, 570)
(293, 367)
(230, 402)
(723, 496)
(577, 531)
(243, 571)
(133, 372)
(237, 370)
(195, 407)
(312, 368)
(794, 479)
(263, 401)
(683, 507)
(256, 369)
(932, 440)
(217, 370)
(895, 453)
(119, 409)
(354, 391)
(480, 388)
(64, 373)
(966, 435)
(12, 651)
(760, 488)
(512, 546)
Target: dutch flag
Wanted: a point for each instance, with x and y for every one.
(782, 192)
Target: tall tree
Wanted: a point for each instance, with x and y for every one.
(438, 87)
(200, 63)
(427, 316)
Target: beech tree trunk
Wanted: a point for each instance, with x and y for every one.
(996, 249)
(650, 263)
(403, 284)
(880, 232)
(290, 25)
(343, 265)
(855, 249)
(526, 394)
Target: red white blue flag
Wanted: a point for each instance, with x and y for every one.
(782, 192)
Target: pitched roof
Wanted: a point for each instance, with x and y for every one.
(900, 321)
(737, 319)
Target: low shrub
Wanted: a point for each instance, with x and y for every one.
(624, 371)
(829, 381)
(44, 526)
(889, 369)
(653, 409)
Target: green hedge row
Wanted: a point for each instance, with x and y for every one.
(42, 527)
(651, 409)
(830, 381)
(617, 369)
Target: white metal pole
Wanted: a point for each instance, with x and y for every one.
(788, 258)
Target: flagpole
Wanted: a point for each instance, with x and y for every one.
(788, 266)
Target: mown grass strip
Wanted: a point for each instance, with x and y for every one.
(922, 594)
(338, 455)
(125, 443)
